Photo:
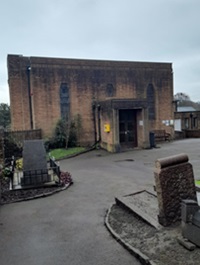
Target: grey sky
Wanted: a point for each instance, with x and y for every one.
(142, 30)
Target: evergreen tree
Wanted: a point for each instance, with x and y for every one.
(4, 115)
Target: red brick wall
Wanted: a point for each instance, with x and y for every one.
(17, 79)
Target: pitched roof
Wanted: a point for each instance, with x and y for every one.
(186, 109)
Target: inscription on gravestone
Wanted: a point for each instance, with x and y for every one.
(34, 163)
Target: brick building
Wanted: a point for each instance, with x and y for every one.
(118, 102)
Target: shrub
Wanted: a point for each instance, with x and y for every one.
(66, 134)
(72, 140)
(5, 175)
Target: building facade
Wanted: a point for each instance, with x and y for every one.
(118, 103)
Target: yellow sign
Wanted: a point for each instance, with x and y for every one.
(107, 127)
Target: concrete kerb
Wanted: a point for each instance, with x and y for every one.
(41, 195)
(135, 252)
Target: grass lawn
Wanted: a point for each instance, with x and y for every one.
(197, 182)
(61, 152)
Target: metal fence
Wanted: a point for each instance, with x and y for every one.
(35, 177)
(20, 178)
(55, 167)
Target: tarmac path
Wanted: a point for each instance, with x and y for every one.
(68, 228)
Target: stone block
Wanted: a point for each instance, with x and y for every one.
(174, 181)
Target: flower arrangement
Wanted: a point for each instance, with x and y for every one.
(65, 178)
(19, 164)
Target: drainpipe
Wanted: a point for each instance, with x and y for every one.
(191, 120)
(99, 122)
(94, 120)
(29, 95)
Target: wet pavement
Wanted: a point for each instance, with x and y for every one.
(68, 227)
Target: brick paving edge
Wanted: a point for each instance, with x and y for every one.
(135, 252)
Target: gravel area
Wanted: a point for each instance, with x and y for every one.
(10, 196)
(160, 246)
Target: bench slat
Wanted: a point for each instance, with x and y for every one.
(161, 135)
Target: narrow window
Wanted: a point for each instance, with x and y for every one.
(195, 122)
(64, 100)
(110, 91)
(186, 123)
(151, 102)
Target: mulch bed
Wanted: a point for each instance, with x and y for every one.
(9, 196)
(28, 193)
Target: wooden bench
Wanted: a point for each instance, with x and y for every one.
(161, 135)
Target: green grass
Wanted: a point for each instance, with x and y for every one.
(197, 182)
(61, 152)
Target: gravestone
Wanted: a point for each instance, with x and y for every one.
(35, 170)
(191, 221)
(174, 181)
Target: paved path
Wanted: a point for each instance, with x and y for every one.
(68, 228)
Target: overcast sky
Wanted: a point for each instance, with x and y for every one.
(130, 30)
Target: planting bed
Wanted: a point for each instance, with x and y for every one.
(9, 196)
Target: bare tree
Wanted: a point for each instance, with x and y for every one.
(182, 97)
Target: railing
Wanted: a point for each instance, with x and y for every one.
(192, 133)
(55, 167)
(20, 178)
(35, 177)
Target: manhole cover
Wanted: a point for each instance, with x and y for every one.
(125, 160)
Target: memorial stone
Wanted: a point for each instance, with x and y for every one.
(35, 170)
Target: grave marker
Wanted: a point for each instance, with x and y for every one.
(35, 170)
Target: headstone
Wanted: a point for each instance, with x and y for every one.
(191, 221)
(174, 181)
(34, 163)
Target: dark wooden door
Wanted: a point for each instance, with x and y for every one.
(127, 128)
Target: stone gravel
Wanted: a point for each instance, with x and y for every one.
(160, 246)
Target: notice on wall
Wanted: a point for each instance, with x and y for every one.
(168, 122)
(141, 123)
